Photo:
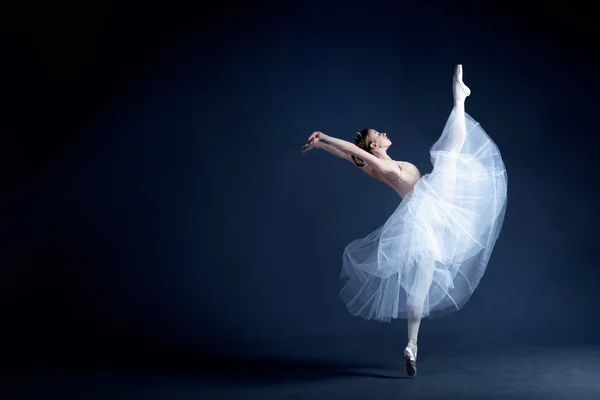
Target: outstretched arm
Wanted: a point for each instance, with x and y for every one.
(332, 150)
(317, 144)
(350, 149)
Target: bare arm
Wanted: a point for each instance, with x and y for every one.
(332, 150)
(345, 156)
(351, 149)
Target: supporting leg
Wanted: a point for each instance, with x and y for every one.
(416, 305)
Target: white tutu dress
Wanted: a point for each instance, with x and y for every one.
(434, 248)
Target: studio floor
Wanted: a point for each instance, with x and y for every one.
(505, 374)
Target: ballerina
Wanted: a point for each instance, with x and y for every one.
(427, 259)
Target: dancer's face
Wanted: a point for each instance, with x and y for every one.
(378, 139)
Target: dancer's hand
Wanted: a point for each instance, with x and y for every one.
(312, 142)
(315, 136)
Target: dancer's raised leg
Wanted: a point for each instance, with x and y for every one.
(460, 92)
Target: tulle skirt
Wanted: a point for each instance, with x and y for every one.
(427, 259)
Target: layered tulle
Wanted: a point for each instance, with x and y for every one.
(431, 253)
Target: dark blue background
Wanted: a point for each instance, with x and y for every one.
(155, 205)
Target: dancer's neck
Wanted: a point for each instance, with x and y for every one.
(381, 154)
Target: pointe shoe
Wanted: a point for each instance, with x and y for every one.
(410, 361)
(459, 89)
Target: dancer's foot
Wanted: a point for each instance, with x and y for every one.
(410, 360)
(460, 90)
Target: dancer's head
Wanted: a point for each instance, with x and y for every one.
(372, 141)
